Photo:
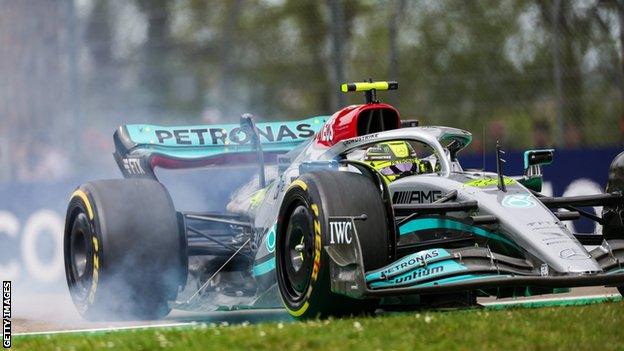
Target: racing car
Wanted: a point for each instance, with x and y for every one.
(347, 214)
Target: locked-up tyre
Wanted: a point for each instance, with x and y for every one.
(303, 231)
(124, 252)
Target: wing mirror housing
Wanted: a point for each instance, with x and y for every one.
(534, 159)
(533, 162)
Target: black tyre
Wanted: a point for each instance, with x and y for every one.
(614, 215)
(302, 232)
(125, 256)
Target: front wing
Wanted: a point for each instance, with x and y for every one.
(441, 270)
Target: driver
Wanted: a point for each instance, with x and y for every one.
(394, 159)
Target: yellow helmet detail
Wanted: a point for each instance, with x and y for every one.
(393, 159)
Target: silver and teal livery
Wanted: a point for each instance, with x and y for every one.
(456, 229)
(445, 230)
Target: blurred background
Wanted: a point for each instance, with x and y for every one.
(529, 73)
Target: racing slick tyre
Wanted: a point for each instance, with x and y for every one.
(303, 230)
(614, 215)
(123, 249)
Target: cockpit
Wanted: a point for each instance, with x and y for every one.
(395, 159)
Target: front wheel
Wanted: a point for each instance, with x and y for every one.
(303, 232)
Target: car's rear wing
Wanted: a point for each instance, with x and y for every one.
(139, 148)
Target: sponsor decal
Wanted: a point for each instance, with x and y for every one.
(327, 133)
(270, 239)
(416, 196)
(518, 201)
(423, 273)
(403, 161)
(418, 260)
(317, 246)
(360, 139)
(418, 273)
(133, 166)
(573, 254)
(6, 314)
(220, 136)
(486, 182)
(341, 230)
(407, 263)
(555, 238)
(544, 270)
(96, 269)
(541, 225)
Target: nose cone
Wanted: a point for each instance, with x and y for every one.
(536, 229)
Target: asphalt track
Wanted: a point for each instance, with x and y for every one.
(180, 319)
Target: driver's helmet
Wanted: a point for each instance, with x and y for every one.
(393, 159)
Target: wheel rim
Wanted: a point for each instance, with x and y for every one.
(297, 257)
(78, 255)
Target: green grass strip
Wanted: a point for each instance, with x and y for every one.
(588, 327)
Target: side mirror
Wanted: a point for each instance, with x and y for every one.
(534, 159)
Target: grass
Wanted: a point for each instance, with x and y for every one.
(589, 327)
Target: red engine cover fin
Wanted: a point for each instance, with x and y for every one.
(356, 120)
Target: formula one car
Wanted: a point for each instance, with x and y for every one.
(349, 213)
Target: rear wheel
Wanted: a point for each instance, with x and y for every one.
(124, 254)
(303, 230)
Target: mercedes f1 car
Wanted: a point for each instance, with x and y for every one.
(348, 213)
